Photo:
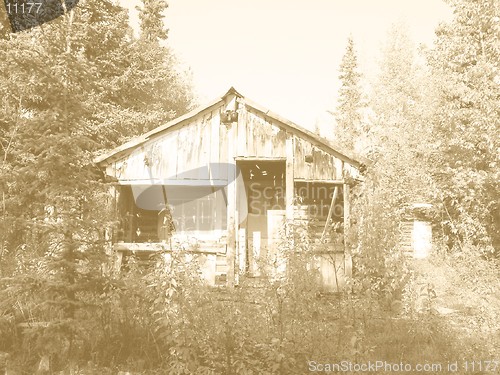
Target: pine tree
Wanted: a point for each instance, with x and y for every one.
(350, 104)
(69, 88)
(52, 188)
(152, 20)
(153, 87)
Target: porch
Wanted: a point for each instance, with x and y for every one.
(193, 220)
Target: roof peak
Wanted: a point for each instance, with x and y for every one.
(232, 91)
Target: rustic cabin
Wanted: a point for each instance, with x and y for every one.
(218, 185)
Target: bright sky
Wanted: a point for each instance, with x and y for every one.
(285, 54)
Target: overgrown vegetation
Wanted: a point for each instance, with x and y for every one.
(165, 320)
(432, 136)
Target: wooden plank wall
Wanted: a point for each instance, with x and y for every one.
(323, 166)
(199, 143)
(260, 137)
(186, 148)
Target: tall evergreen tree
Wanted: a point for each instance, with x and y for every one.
(54, 78)
(153, 86)
(397, 145)
(151, 16)
(348, 114)
(68, 88)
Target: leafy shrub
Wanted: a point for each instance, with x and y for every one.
(380, 268)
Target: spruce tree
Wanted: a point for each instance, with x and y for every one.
(51, 78)
(160, 87)
(151, 16)
(350, 103)
(69, 88)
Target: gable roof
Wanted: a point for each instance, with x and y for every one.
(303, 133)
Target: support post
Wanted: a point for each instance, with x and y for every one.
(231, 207)
(289, 186)
(347, 225)
(330, 212)
(256, 247)
(109, 236)
(236, 256)
(242, 261)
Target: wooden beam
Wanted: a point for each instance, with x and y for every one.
(109, 232)
(175, 182)
(118, 261)
(231, 206)
(289, 181)
(260, 158)
(236, 257)
(204, 247)
(130, 221)
(330, 212)
(241, 131)
(332, 182)
(242, 247)
(347, 226)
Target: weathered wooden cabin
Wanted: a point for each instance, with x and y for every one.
(220, 182)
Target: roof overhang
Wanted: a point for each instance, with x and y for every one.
(122, 150)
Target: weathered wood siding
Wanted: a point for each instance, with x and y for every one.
(182, 153)
(259, 137)
(323, 166)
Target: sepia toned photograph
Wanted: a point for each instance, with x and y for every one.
(249, 187)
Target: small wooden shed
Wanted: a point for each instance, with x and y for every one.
(416, 230)
(220, 182)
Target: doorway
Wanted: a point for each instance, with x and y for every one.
(264, 183)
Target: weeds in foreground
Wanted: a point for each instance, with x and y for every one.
(166, 321)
